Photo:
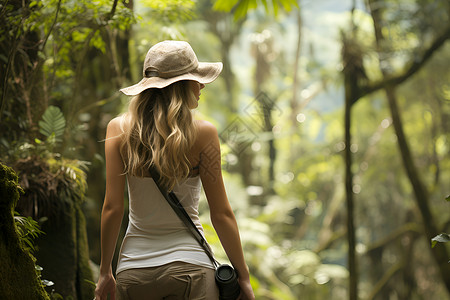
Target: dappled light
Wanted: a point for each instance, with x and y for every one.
(333, 121)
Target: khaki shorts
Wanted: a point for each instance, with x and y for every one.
(173, 281)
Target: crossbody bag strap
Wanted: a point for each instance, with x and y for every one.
(173, 201)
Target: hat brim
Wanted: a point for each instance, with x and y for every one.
(205, 73)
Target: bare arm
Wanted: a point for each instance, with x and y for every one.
(222, 216)
(112, 211)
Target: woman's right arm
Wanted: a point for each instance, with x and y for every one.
(112, 211)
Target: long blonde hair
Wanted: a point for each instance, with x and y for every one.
(159, 131)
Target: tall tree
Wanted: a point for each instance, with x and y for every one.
(439, 253)
(227, 30)
(356, 86)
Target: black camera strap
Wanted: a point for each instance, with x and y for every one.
(173, 201)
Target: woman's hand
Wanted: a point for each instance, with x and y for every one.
(106, 285)
(246, 290)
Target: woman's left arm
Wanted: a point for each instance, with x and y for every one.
(222, 216)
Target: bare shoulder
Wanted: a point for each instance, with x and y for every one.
(207, 138)
(116, 125)
(206, 128)
(207, 134)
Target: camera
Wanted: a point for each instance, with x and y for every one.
(227, 282)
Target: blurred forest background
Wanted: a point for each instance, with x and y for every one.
(334, 118)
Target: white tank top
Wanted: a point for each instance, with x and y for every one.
(155, 235)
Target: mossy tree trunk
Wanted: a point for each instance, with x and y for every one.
(18, 277)
(64, 254)
(63, 250)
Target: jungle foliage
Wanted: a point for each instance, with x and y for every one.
(16, 243)
(334, 124)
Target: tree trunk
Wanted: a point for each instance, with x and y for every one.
(228, 75)
(18, 278)
(21, 77)
(226, 30)
(350, 86)
(64, 253)
(439, 252)
(352, 62)
(296, 83)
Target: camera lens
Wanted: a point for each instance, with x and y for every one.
(225, 273)
(227, 283)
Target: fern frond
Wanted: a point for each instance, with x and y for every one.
(52, 123)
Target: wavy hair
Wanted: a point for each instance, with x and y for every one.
(158, 132)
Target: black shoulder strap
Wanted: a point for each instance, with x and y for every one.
(173, 201)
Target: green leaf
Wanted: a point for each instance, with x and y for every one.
(447, 198)
(275, 7)
(288, 4)
(27, 230)
(53, 122)
(241, 9)
(441, 238)
(266, 6)
(252, 4)
(224, 5)
(81, 35)
(98, 42)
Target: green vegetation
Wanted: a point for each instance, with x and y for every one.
(17, 263)
(334, 122)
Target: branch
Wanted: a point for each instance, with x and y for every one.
(11, 55)
(408, 227)
(51, 27)
(336, 236)
(113, 11)
(3, 11)
(413, 68)
(388, 275)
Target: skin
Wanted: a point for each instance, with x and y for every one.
(205, 153)
(196, 87)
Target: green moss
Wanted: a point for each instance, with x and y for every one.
(64, 254)
(85, 287)
(55, 190)
(18, 278)
(57, 252)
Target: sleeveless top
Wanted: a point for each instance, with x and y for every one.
(155, 235)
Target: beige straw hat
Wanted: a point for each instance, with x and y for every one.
(171, 61)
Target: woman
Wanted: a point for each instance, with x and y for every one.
(159, 259)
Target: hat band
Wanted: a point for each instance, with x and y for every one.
(153, 72)
(149, 74)
(165, 75)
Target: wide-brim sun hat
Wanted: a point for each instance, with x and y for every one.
(171, 61)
